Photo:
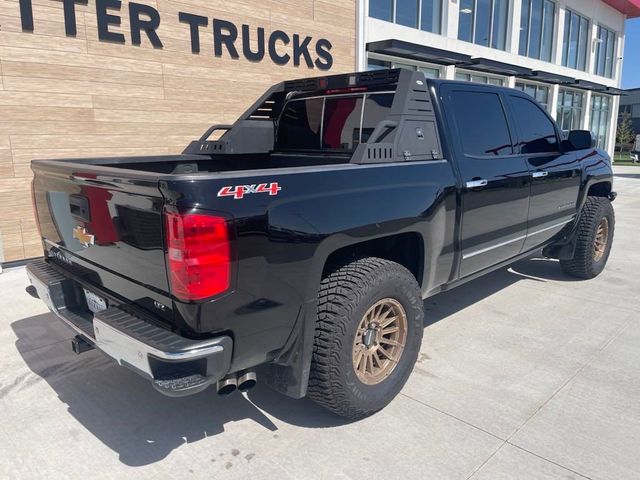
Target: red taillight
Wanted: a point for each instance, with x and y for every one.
(198, 255)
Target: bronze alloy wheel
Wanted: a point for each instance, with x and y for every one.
(602, 237)
(379, 341)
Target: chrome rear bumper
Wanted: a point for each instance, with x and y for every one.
(176, 365)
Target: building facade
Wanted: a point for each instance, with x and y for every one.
(565, 53)
(630, 104)
(112, 78)
(117, 78)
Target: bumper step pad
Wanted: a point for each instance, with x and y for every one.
(182, 385)
(176, 366)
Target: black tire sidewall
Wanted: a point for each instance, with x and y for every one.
(400, 285)
(604, 210)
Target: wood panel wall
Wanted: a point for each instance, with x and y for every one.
(77, 96)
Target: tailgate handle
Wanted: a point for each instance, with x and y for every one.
(79, 207)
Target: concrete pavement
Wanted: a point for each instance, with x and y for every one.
(524, 373)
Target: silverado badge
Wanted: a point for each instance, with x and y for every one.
(85, 238)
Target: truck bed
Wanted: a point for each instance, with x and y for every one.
(194, 164)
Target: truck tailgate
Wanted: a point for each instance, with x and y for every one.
(107, 225)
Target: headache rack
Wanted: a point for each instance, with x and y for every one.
(409, 133)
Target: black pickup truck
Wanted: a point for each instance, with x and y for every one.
(296, 246)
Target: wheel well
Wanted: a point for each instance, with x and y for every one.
(407, 249)
(602, 189)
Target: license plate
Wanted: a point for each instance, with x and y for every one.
(94, 302)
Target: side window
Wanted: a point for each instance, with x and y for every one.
(300, 125)
(341, 127)
(537, 131)
(482, 123)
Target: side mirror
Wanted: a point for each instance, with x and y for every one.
(581, 139)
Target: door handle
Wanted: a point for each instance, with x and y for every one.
(539, 174)
(477, 183)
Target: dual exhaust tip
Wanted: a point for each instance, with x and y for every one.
(242, 381)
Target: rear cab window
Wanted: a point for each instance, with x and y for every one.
(331, 123)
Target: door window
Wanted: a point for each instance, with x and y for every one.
(538, 135)
(482, 123)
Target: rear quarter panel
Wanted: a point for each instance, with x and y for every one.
(283, 241)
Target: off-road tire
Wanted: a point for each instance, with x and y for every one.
(345, 296)
(583, 264)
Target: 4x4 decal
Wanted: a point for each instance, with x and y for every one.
(239, 191)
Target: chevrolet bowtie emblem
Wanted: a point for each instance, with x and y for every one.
(85, 238)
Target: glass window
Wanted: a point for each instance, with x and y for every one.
(423, 14)
(625, 109)
(536, 29)
(499, 25)
(479, 78)
(299, 127)
(431, 15)
(538, 135)
(482, 123)
(583, 42)
(376, 108)
(374, 64)
(548, 25)
(601, 119)
(484, 22)
(341, 124)
(407, 13)
(610, 63)
(406, 66)
(598, 67)
(569, 109)
(382, 9)
(465, 20)
(430, 72)
(523, 45)
(331, 123)
(540, 92)
(605, 51)
(576, 39)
